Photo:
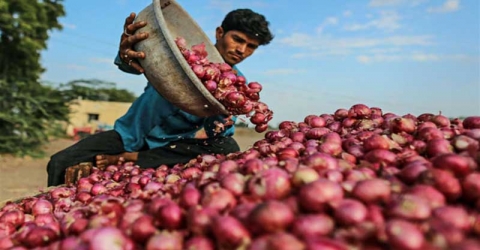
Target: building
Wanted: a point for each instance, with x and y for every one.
(90, 116)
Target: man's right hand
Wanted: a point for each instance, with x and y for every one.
(128, 39)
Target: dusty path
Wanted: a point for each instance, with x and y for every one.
(20, 177)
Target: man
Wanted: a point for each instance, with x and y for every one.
(153, 131)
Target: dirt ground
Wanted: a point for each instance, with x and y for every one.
(20, 177)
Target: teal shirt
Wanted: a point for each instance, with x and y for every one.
(152, 121)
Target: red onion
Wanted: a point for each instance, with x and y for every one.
(402, 124)
(359, 111)
(376, 142)
(199, 243)
(143, 228)
(410, 207)
(321, 161)
(165, 240)
(457, 164)
(350, 211)
(284, 241)
(313, 226)
(471, 186)
(271, 216)
(273, 183)
(220, 200)
(404, 235)
(304, 175)
(372, 190)
(455, 216)
(316, 195)
(234, 182)
(229, 232)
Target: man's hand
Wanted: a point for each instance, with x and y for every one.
(75, 173)
(128, 39)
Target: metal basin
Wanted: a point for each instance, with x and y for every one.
(165, 67)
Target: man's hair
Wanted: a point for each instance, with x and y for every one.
(249, 22)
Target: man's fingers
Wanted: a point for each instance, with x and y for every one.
(129, 19)
(137, 66)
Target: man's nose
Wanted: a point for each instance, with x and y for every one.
(241, 48)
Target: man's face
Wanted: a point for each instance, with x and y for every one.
(235, 46)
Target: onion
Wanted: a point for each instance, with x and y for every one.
(143, 228)
(190, 196)
(410, 207)
(402, 124)
(284, 241)
(220, 200)
(404, 235)
(437, 147)
(273, 183)
(316, 195)
(234, 182)
(40, 236)
(441, 121)
(443, 181)
(350, 211)
(271, 216)
(455, 216)
(381, 156)
(313, 226)
(304, 175)
(199, 243)
(376, 142)
(471, 186)
(457, 164)
(340, 114)
(165, 240)
(42, 206)
(359, 111)
(372, 190)
(14, 217)
(321, 161)
(229, 232)
(199, 220)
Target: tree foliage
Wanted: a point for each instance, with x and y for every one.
(96, 90)
(27, 108)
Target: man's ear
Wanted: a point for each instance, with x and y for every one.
(219, 33)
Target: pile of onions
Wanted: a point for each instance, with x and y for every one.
(355, 179)
(229, 88)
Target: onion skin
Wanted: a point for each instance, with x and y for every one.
(229, 232)
(315, 196)
(271, 216)
(404, 235)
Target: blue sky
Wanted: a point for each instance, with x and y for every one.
(405, 56)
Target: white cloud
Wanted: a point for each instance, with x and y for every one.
(383, 3)
(330, 43)
(416, 57)
(378, 3)
(284, 71)
(448, 6)
(347, 13)
(328, 22)
(69, 26)
(388, 21)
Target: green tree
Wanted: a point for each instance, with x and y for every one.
(27, 108)
(96, 90)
